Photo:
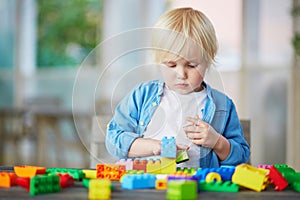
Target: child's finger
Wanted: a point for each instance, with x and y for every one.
(182, 147)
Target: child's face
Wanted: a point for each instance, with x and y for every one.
(183, 76)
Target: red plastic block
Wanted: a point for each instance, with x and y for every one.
(140, 165)
(277, 179)
(7, 179)
(66, 180)
(24, 182)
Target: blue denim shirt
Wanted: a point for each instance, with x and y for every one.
(134, 112)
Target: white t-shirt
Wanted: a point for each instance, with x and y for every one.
(170, 118)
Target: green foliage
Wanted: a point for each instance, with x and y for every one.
(67, 31)
(296, 43)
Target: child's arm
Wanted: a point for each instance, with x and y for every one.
(222, 148)
(142, 147)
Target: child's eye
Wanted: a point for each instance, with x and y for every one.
(191, 66)
(170, 64)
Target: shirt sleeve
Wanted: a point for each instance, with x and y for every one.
(239, 148)
(122, 129)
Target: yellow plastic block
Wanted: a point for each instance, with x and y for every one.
(90, 173)
(213, 177)
(168, 165)
(103, 193)
(99, 189)
(250, 177)
(153, 167)
(161, 184)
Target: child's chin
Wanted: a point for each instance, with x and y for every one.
(183, 91)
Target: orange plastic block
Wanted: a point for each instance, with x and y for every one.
(111, 172)
(140, 165)
(29, 171)
(161, 184)
(250, 177)
(7, 179)
(153, 167)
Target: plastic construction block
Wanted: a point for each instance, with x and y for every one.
(277, 179)
(86, 182)
(111, 172)
(29, 171)
(77, 174)
(7, 179)
(99, 189)
(213, 177)
(188, 171)
(24, 182)
(292, 178)
(153, 167)
(168, 147)
(128, 163)
(168, 165)
(180, 177)
(182, 190)
(65, 180)
(44, 184)
(250, 177)
(90, 173)
(225, 173)
(219, 186)
(161, 184)
(182, 156)
(296, 186)
(264, 166)
(140, 164)
(141, 181)
(135, 172)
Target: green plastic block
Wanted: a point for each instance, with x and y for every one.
(219, 186)
(284, 169)
(77, 174)
(182, 190)
(135, 171)
(86, 182)
(44, 184)
(189, 171)
(182, 156)
(292, 178)
(296, 186)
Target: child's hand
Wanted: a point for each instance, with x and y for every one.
(201, 133)
(182, 147)
(156, 146)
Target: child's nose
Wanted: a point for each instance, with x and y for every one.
(181, 73)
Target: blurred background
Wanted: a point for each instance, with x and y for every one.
(44, 43)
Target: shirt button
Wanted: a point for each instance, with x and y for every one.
(142, 123)
(154, 104)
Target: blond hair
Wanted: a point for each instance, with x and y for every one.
(179, 27)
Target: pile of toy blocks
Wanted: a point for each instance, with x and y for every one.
(37, 180)
(160, 174)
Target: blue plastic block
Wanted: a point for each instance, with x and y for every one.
(168, 147)
(225, 172)
(138, 181)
